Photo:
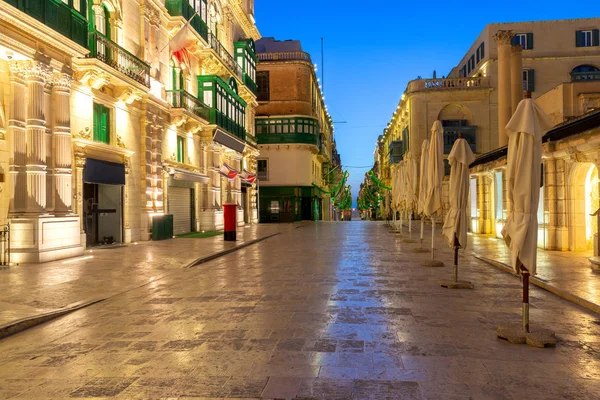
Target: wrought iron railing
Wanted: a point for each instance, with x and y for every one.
(250, 84)
(224, 55)
(284, 55)
(117, 57)
(182, 99)
(585, 76)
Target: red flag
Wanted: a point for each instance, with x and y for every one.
(248, 177)
(228, 172)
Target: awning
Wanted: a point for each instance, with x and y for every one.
(104, 172)
(183, 175)
(229, 141)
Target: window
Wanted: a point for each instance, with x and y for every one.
(528, 80)
(262, 84)
(180, 149)
(471, 64)
(463, 71)
(480, 52)
(587, 38)
(263, 169)
(523, 39)
(101, 124)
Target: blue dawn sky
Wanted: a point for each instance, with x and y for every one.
(373, 49)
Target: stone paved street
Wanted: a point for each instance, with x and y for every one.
(324, 311)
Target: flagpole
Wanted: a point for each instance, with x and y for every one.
(179, 31)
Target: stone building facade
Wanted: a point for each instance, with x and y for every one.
(104, 128)
(295, 136)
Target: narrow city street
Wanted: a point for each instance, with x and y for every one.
(321, 311)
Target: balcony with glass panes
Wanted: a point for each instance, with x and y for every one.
(227, 108)
(67, 17)
(287, 130)
(245, 56)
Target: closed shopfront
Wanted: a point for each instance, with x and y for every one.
(181, 206)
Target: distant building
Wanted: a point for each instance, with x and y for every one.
(294, 134)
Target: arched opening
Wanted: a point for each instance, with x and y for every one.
(585, 72)
(584, 202)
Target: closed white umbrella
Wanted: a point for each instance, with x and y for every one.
(525, 130)
(455, 224)
(435, 175)
(411, 187)
(423, 184)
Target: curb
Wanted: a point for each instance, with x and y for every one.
(222, 253)
(588, 305)
(23, 324)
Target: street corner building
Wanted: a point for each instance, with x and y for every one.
(115, 113)
(558, 62)
(298, 158)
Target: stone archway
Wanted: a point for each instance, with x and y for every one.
(583, 196)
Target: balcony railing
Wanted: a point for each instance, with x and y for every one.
(117, 57)
(63, 18)
(184, 9)
(284, 56)
(585, 76)
(250, 84)
(182, 99)
(288, 138)
(224, 55)
(220, 119)
(448, 83)
(451, 133)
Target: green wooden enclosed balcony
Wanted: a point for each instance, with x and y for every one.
(288, 131)
(227, 108)
(250, 84)
(182, 8)
(117, 57)
(66, 18)
(182, 99)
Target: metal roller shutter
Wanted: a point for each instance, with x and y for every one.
(180, 207)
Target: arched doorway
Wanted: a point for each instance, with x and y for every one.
(584, 201)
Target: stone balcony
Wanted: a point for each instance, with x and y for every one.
(469, 83)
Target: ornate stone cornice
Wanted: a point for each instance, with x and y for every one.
(503, 36)
(150, 13)
(36, 71)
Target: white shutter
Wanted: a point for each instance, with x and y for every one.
(181, 207)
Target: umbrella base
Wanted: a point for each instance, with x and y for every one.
(432, 263)
(536, 338)
(421, 250)
(456, 285)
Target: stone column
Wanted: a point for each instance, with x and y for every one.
(126, 212)
(516, 77)
(18, 152)
(78, 179)
(61, 137)
(502, 38)
(37, 73)
(215, 178)
(49, 153)
(237, 184)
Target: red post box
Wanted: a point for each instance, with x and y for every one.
(229, 219)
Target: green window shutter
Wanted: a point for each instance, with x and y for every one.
(529, 41)
(180, 149)
(104, 126)
(595, 37)
(96, 122)
(530, 80)
(106, 22)
(579, 38)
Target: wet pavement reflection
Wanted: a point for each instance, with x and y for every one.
(324, 311)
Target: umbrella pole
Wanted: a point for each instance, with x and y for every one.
(432, 237)
(525, 274)
(401, 222)
(456, 246)
(410, 225)
(422, 228)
